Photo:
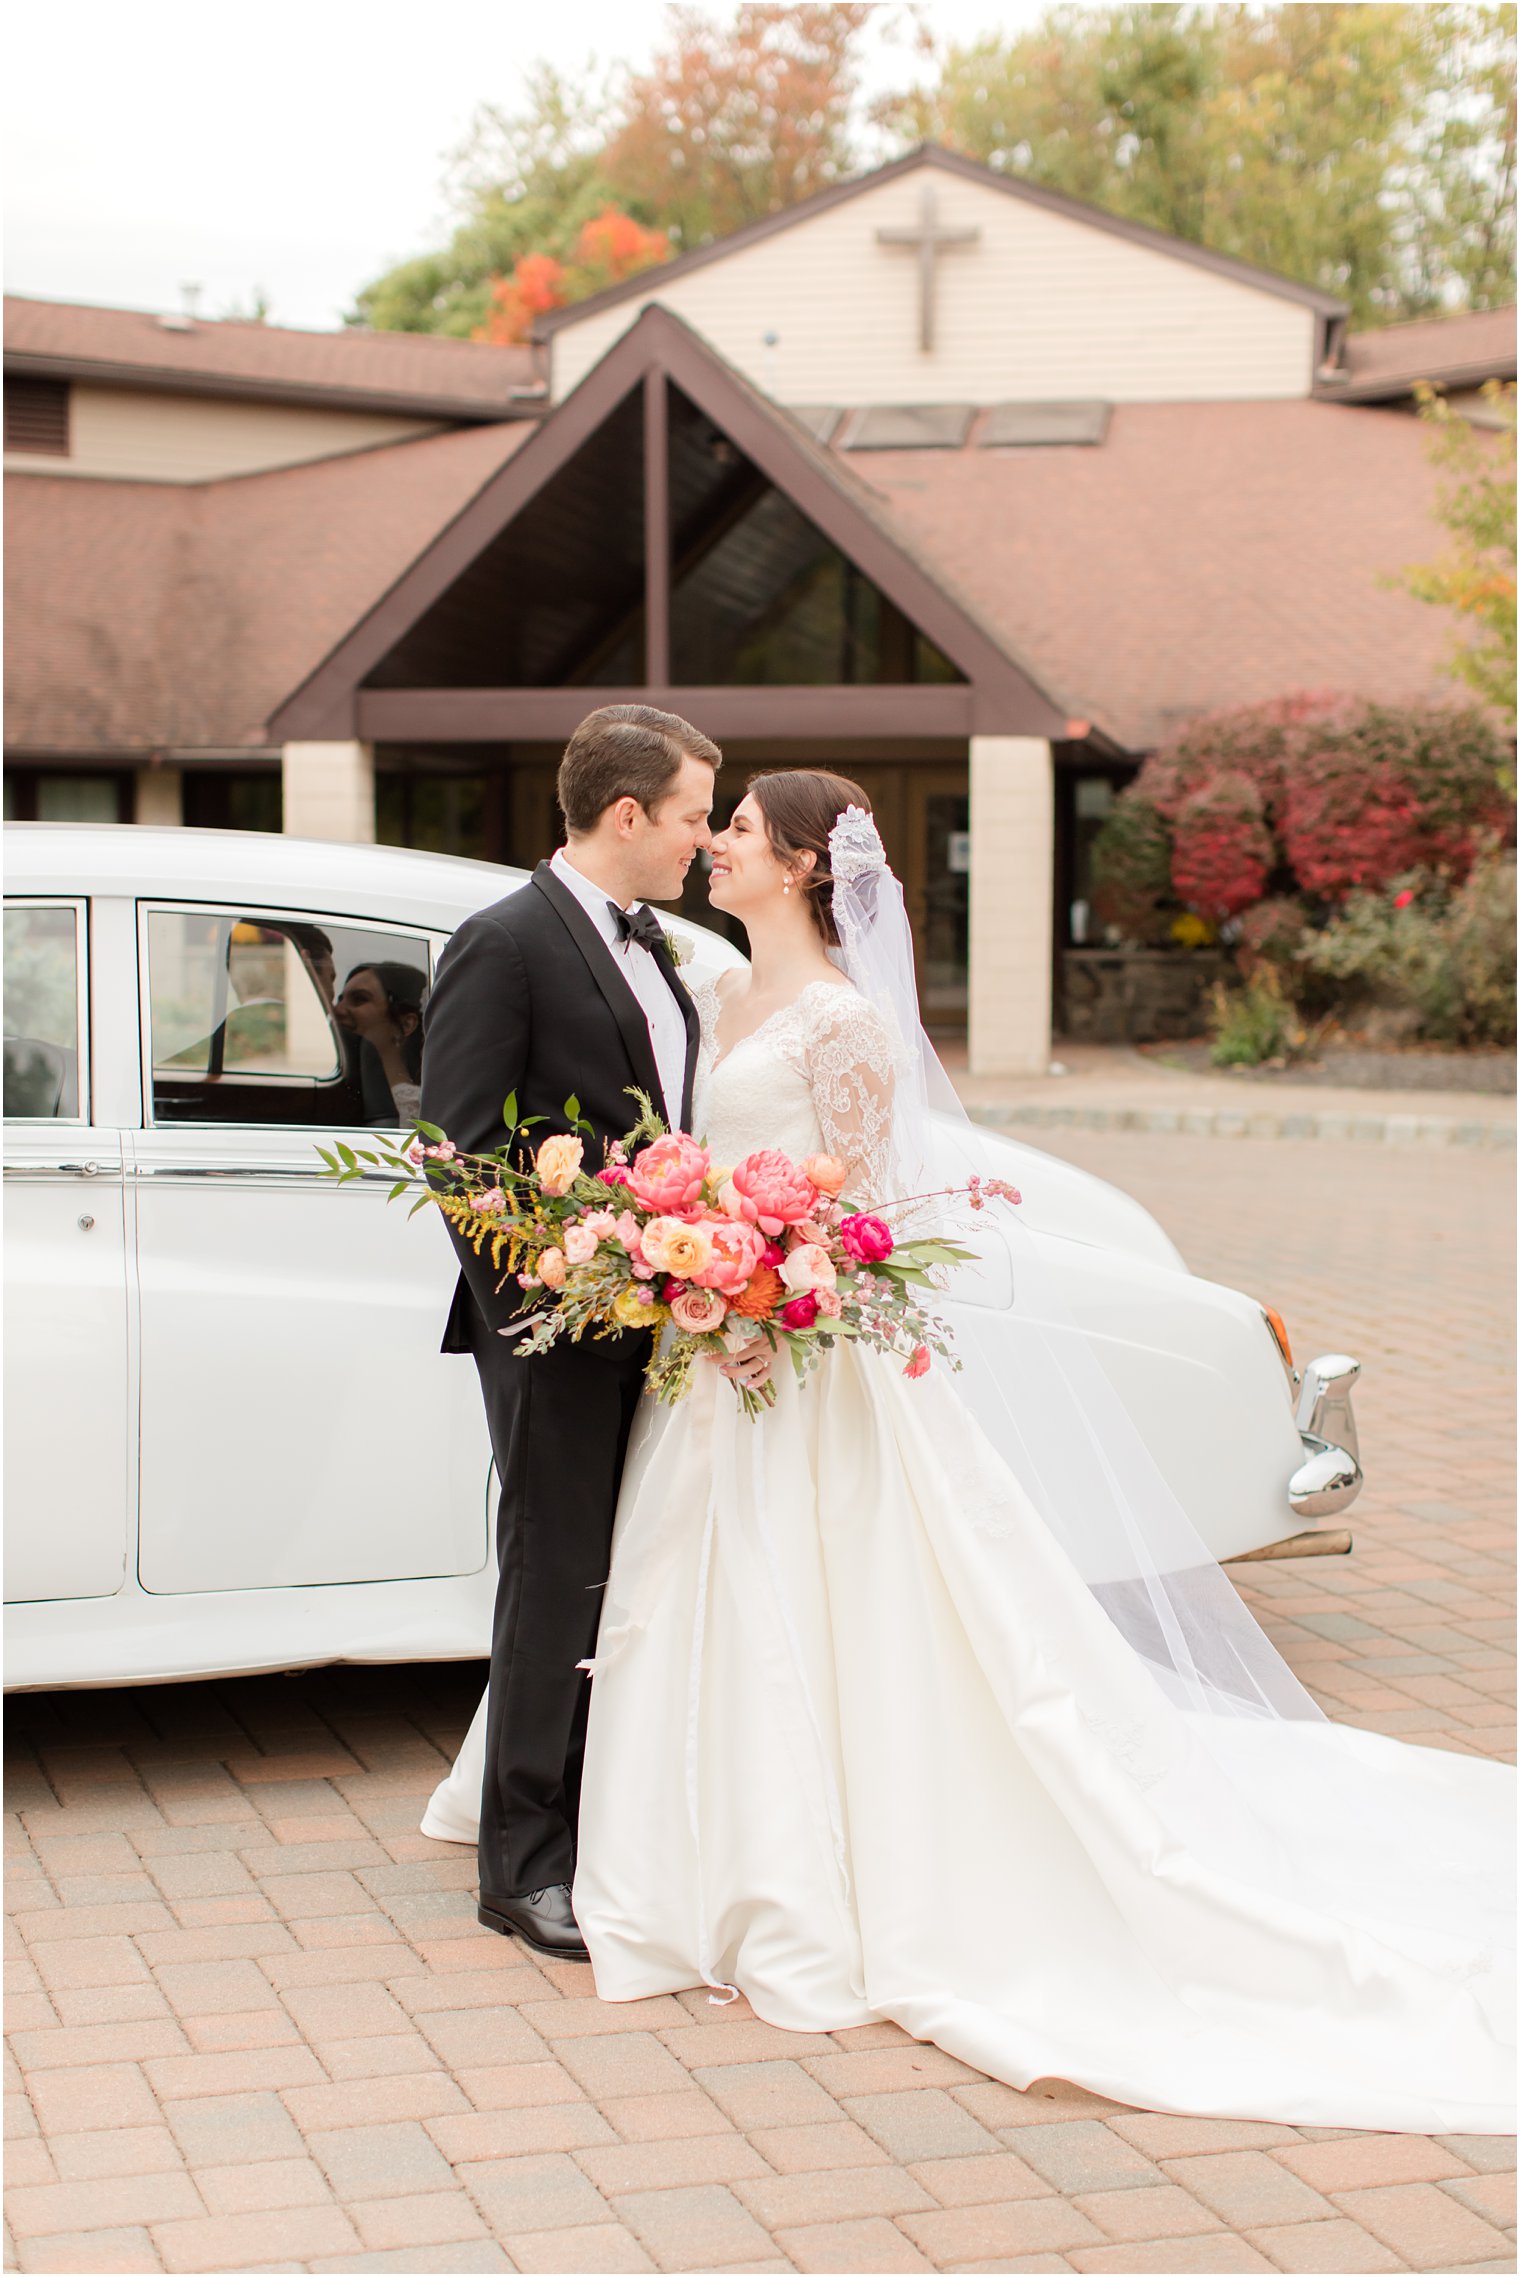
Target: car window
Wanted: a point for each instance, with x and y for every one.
(44, 1025)
(262, 1018)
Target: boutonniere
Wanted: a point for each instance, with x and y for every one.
(676, 949)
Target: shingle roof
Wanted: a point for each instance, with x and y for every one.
(167, 616)
(461, 379)
(1206, 554)
(1448, 350)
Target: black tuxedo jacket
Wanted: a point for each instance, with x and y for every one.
(529, 998)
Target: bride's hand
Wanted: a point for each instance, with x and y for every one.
(751, 1368)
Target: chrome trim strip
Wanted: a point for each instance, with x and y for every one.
(276, 1173)
(112, 1172)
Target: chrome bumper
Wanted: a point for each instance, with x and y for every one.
(1330, 1476)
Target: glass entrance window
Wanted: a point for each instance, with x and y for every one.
(44, 1023)
(267, 1019)
(943, 946)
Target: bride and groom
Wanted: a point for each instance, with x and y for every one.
(915, 1701)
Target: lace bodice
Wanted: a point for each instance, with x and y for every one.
(817, 1077)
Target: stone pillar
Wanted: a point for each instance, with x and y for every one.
(159, 796)
(1012, 866)
(329, 791)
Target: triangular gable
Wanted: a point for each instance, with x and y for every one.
(1004, 698)
(934, 155)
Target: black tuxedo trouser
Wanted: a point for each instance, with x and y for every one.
(559, 1424)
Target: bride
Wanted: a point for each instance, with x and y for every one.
(922, 1701)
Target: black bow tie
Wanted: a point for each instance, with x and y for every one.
(639, 925)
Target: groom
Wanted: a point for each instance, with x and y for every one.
(564, 988)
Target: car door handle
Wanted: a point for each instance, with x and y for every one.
(53, 1169)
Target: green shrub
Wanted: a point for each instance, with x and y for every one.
(1254, 1023)
(1132, 872)
(1424, 958)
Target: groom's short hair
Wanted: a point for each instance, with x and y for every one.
(626, 751)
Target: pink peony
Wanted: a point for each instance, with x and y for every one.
(580, 1244)
(800, 1313)
(558, 1162)
(551, 1268)
(603, 1223)
(667, 1174)
(772, 1192)
(826, 1171)
(868, 1240)
(809, 1266)
(699, 1310)
(627, 1229)
(918, 1365)
(735, 1252)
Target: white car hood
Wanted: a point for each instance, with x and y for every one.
(1071, 1204)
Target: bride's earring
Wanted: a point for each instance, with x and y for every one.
(786, 885)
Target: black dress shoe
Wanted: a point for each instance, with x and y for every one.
(544, 1919)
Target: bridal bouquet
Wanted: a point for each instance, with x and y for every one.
(661, 1237)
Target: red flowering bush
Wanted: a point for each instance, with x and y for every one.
(1313, 794)
(1374, 790)
(1222, 850)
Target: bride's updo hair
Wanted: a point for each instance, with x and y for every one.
(801, 806)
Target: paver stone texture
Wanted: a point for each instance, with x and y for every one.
(255, 2023)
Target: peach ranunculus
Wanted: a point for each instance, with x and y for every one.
(735, 1252)
(667, 1174)
(671, 1246)
(827, 1172)
(809, 1266)
(580, 1244)
(551, 1268)
(558, 1162)
(771, 1191)
(700, 1310)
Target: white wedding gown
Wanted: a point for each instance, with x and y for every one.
(864, 1746)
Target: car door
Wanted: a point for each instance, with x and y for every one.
(68, 1469)
(298, 1425)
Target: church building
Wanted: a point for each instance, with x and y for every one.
(969, 490)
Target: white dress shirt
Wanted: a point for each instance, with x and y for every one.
(667, 1029)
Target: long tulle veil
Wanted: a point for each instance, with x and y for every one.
(1059, 1424)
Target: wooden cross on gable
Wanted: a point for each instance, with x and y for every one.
(928, 241)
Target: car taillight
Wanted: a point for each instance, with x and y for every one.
(1274, 1321)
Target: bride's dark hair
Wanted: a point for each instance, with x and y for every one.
(801, 806)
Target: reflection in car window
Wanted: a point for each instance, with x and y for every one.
(264, 1019)
(41, 1013)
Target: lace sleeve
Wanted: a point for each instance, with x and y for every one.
(853, 1075)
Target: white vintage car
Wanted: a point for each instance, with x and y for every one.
(232, 1443)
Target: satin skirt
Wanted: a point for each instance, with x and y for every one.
(864, 1748)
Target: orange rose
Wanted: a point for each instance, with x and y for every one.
(558, 1162)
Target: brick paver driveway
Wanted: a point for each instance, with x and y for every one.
(257, 2026)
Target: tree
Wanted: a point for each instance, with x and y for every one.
(1366, 149)
(1476, 577)
(608, 248)
(730, 122)
(733, 122)
(527, 183)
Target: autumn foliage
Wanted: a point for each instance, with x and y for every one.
(608, 248)
(1311, 799)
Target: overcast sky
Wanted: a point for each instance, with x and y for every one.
(299, 146)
